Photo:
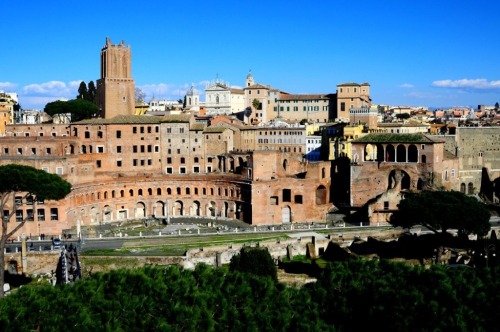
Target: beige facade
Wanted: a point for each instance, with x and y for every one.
(351, 95)
(409, 127)
(116, 87)
(311, 108)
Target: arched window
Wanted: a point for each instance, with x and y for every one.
(470, 188)
(390, 153)
(131, 192)
(370, 152)
(412, 154)
(139, 192)
(158, 191)
(401, 153)
(462, 188)
(321, 195)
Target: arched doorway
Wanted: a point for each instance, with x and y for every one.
(286, 214)
(470, 188)
(195, 209)
(140, 210)
(405, 181)
(211, 209)
(107, 213)
(462, 188)
(321, 195)
(420, 184)
(159, 209)
(94, 215)
(178, 208)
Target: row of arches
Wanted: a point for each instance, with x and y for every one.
(160, 209)
(467, 189)
(401, 153)
(177, 191)
(175, 208)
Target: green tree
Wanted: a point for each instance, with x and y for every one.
(92, 92)
(256, 104)
(78, 109)
(440, 211)
(256, 261)
(402, 116)
(83, 93)
(31, 185)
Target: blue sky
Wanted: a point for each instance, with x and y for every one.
(413, 53)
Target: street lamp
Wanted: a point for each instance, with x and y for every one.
(488, 249)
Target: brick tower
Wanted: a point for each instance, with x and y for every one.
(116, 87)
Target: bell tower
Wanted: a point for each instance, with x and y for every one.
(116, 87)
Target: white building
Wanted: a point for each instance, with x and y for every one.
(313, 148)
(221, 99)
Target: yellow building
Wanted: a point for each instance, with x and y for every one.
(341, 147)
(5, 118)
(351, 95)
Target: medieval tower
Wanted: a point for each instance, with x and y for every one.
(116, 87)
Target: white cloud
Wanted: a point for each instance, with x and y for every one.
(406, 86)
(8, 86)
(170, 91)
(48, 88)
(468, 84)
(37, 95)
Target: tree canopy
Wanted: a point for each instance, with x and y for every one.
(43, 185)
(257, 261)
(442, 211)
(85, 93)
(257, 104)
(348, 296)
(79, 109)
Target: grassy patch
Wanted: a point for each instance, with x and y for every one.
(179, 245)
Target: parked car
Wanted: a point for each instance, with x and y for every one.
(6, 289)
(57, 243)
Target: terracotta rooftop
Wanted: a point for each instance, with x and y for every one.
(352, 84)
(197, 126)
(303, 97)
(214, 130)
(176, 118)
(122, 119)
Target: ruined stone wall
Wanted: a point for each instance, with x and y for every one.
(478, 147)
